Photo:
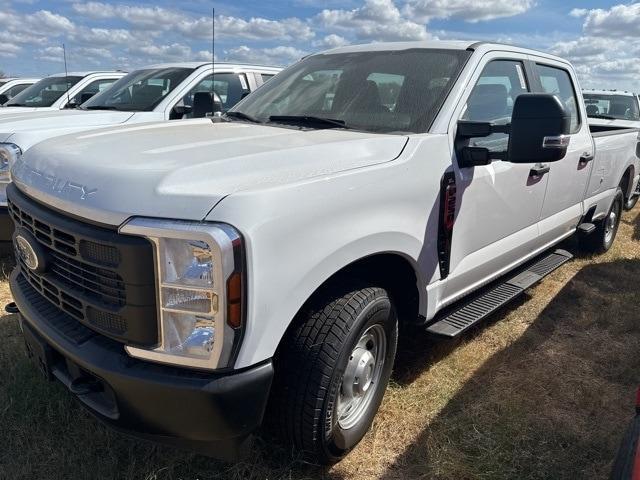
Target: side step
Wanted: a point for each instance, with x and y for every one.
(463, 316)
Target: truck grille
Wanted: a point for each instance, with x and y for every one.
(101, 278)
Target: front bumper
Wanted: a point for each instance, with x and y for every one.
(209, 413)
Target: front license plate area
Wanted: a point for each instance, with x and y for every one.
(39, 352)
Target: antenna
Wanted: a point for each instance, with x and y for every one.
(213, 51)
(66, 73)
(213, 60)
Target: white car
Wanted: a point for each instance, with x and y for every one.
(172, 91)
(10, 87)
(184, 278)
(60, 91)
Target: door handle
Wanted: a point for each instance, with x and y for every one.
(539, 170)
(586, 158)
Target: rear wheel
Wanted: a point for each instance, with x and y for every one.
(332, 372)
(603, 237)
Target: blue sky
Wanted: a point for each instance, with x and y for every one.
(602, 38)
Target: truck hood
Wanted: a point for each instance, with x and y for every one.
(18, 110)
(47, 119)
(181, 170)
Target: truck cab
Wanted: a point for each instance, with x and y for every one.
(188, 281)
(10, 87)
(612, 108)
(60, 91)
(174, 91)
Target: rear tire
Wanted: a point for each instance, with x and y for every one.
(603, 237)
(332, 371)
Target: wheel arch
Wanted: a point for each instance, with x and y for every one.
(626, 181)
(393, 271)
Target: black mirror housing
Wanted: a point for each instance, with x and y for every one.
(540, 126)
(3, 99)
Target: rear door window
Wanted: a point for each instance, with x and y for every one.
(557, 81)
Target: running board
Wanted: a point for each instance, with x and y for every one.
(461, 317)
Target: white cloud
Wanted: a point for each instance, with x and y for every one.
(331, 41)
(9, 50)
(161, 19)
(470, 11)
(618, 21)
(281, 55)
(375, 20)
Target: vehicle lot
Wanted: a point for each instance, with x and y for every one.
(542, 391)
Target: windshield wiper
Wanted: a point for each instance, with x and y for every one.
(308, 120)
(99, 107)
(604, 117)
(242, 116)
(15, 105)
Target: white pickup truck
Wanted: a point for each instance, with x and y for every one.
(171, 91)
(10, 87)
(60, 91)
(182, 279)
(611, 109)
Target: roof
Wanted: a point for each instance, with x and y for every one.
(440, 44)
(624, 93)
(195, 65)
(84, 74)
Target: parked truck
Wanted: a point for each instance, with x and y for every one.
(10, 87)
(189, 281)
(60, 91)
(610, 109)
(172, 91)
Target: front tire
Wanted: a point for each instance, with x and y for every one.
(603, 237)
(332, 371)
(631, 202)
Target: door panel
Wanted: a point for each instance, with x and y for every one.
(568, 177)
(498, 205)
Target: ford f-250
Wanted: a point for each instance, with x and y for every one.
(172, 91)
(182, 279)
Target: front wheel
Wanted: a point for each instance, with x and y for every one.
(631, 201)
(332, 372)
(602, 238)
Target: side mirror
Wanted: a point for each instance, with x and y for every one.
(3, 99)
(469, 156)
(540, 127)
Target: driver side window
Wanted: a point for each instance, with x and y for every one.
(492, 100)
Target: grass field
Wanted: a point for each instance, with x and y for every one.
(542, 391)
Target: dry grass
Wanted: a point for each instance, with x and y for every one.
(541, 391)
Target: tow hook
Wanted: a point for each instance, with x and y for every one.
(11, 308)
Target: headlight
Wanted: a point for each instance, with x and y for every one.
(199, 275)
(9, 155)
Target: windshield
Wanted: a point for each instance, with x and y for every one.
(623, 107)
(395, 91)
(139, 91)
(44, 93)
